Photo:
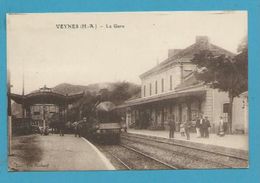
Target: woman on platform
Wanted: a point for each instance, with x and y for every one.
(221, 131)
(182, 130)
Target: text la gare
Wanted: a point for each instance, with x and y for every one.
(110, 26)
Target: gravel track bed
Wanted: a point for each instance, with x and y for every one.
(117, 164)
(200, 155)
(133, 159)
(181, 160)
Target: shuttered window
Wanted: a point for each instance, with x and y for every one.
(162, 85)
(156, 91)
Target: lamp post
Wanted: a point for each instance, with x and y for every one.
(44, 108)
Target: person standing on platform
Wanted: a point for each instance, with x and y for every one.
(78, 129)
(221, 131)
(123, 124)
(206, 126)
(172, 126)
(198, 126)
(74, 125)
(81, 127)
(182, 130)
(201, 121)
(187, 125)
(61, 128)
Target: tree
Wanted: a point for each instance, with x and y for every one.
(225, 73)
(241, 63)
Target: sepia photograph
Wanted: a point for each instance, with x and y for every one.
(127, 91)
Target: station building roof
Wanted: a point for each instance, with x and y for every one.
(190, 86)
(185, 55)
(45, 96)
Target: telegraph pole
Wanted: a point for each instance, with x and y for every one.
(44, 111)
(9, 112)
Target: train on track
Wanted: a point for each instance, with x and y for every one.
(104, 124)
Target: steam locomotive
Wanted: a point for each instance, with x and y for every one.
(104, 125)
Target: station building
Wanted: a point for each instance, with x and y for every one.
(171, 88)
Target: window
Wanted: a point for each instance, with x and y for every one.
(225, 107)
(36, 108)
(144, 90)
(150, 89)
(225, 112)
(162, 85)
(170, 82)
(156, 87)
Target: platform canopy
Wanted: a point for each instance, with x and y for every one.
(163, 97)
(45, 96)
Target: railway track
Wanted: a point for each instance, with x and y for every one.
(190, 147)
(133, 159)
(193, 157)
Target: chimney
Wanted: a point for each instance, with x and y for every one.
(172, 52)
(202, 41)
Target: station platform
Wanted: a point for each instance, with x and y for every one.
(239, 142)
(54, 152)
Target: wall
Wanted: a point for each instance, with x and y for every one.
(240, 117)
(219, 99)
(174, 71)
(239, 112)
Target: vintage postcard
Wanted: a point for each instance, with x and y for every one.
(127, 91)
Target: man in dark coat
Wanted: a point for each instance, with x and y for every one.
(201, 122)
(187, 125)
(205, 127)
(80, 127)
(61, 128)
(172, 126)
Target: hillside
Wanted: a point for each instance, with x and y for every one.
(66, 88)
(117, 92)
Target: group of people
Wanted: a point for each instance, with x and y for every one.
(61, 127)
(202, 127)
(78, 126)
(184, 128)
(58, 127)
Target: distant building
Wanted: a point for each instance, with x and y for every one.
(40, 106)
(43, 111)
(170, 88)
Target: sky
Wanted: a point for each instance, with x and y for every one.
(47, 52)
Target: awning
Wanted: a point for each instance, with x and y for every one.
(45, 98)
(163, 97)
